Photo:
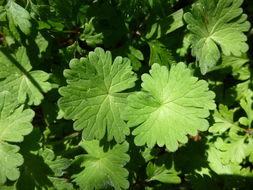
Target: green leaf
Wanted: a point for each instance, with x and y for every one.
(162, 174)
(170, 106)
(215, 163)
(216, 25)
(224, 120)
(236, 64)
(30, 86)
(246, 103)
(57, 164)
(136, 53)
(249, 149)
(20, 16)
(90, 36)
(95, 97)
(20, 80)
(15, 123)
(135, 57)
(10, 160)
(41, 42)
(183, 50)
(166, 25)
(160, 54)
(6, 65)
(221, 166)
(61, 184)
(103, 168)
(13, 31)
(2, 13)
(229, 149)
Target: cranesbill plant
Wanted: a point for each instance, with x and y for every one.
(126, 94)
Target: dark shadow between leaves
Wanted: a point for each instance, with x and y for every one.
(220, 182)
(196, 159)
(34, 171)
(136, 166)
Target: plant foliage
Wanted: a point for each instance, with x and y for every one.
(126, 94)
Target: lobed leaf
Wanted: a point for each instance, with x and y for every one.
(103, 168)
(19, 16)
(94, 97)
(170, 106)
(15, 123)
(25, 84)
(216, 27)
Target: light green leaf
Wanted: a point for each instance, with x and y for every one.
(247, 103)
(10, 160)
(249, 149)
(25, 84)
(95, 97)
(162, 174)
(90, 36)
(219, 160)
(236, 64)
(56, 163)
(229, 149)
(29, 86)
(6, 66)
(41, 42)
(216, 24)
(15, 123)
(215, 163)
(170, 106)
(224, 120)
(13, 31)
(19, 16)
(136, 53)
(183, 50)
(239, 91)
(103, 168)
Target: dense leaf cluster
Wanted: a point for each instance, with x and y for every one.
(126, 94)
